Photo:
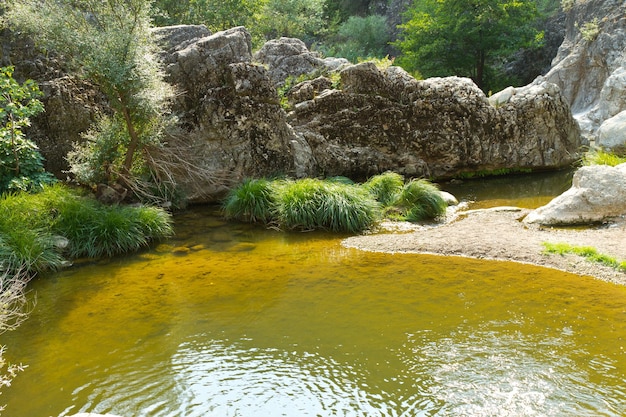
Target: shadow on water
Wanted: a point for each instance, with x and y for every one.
(234, 320)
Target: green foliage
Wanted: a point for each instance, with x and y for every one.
(33, 226)
(336, 204)
(110, 44)
(587, 252)
(215, 14)
(361, 37)
(313, 204)
(421, 200)
(21, 163)
(465, 38)
(590, 30)
(386, 187)
(494, 172)
(303, 19)
(253, 201)
(601, 157)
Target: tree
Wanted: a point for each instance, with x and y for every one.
(108, 43)
(215, 14)
(302, 19)
(21, 163)
(362, 37)
(465, 37)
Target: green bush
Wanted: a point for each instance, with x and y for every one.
(362, 37)
(600, 157)
(421, 200)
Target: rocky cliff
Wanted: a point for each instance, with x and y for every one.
(232, 124)
(590, 67)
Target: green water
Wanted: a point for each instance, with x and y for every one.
(233, 320)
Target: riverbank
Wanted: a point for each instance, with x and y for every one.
(499, 234)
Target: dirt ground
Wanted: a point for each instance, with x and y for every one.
(498, 233)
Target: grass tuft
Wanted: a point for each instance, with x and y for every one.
(600, 157)
(587, 252)
(253, 201)
(421, 200)
(386, 187)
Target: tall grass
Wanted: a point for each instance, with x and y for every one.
(421, 200)
(386, 187)
(336, 204)
(315, 204)
(253, 201)
(32, 226)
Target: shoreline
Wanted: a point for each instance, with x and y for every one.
(498, 234)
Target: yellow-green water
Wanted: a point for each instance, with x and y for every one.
(234, 320)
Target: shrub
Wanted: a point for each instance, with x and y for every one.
(421, 200)
(21, 163)
(253, 201)
(362, 37)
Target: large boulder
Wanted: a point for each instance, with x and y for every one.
(230, 116)
(612, 134)
(384, 119)
(598, 193)
(590, 65)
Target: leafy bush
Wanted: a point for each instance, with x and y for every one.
(421, 200)
(362, 37)
(21, 163)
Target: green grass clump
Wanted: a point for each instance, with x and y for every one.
(587, 252)
(253, 201)
(335, 204)
(421, 200)
(315, 204)
(385, 187)
(600, 157)
(33, 228)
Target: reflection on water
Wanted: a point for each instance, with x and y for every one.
(232, 320)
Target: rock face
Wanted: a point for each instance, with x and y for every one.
(232, 123)
(598, 194)
(289, 57)
(440, 127)
(590, 67)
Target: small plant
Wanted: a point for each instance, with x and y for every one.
(421, 200)
(21, 163)
(600, 157)
(586, 252)
(253, 201)
(590, 30)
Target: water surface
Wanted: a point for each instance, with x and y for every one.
(235, 320)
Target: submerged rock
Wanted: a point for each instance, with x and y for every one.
(598, 193)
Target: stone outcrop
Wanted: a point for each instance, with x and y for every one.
(590, 67)
(232, 125)
(230, 116)
(289, 57)
(441, 127)
(598, 193)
